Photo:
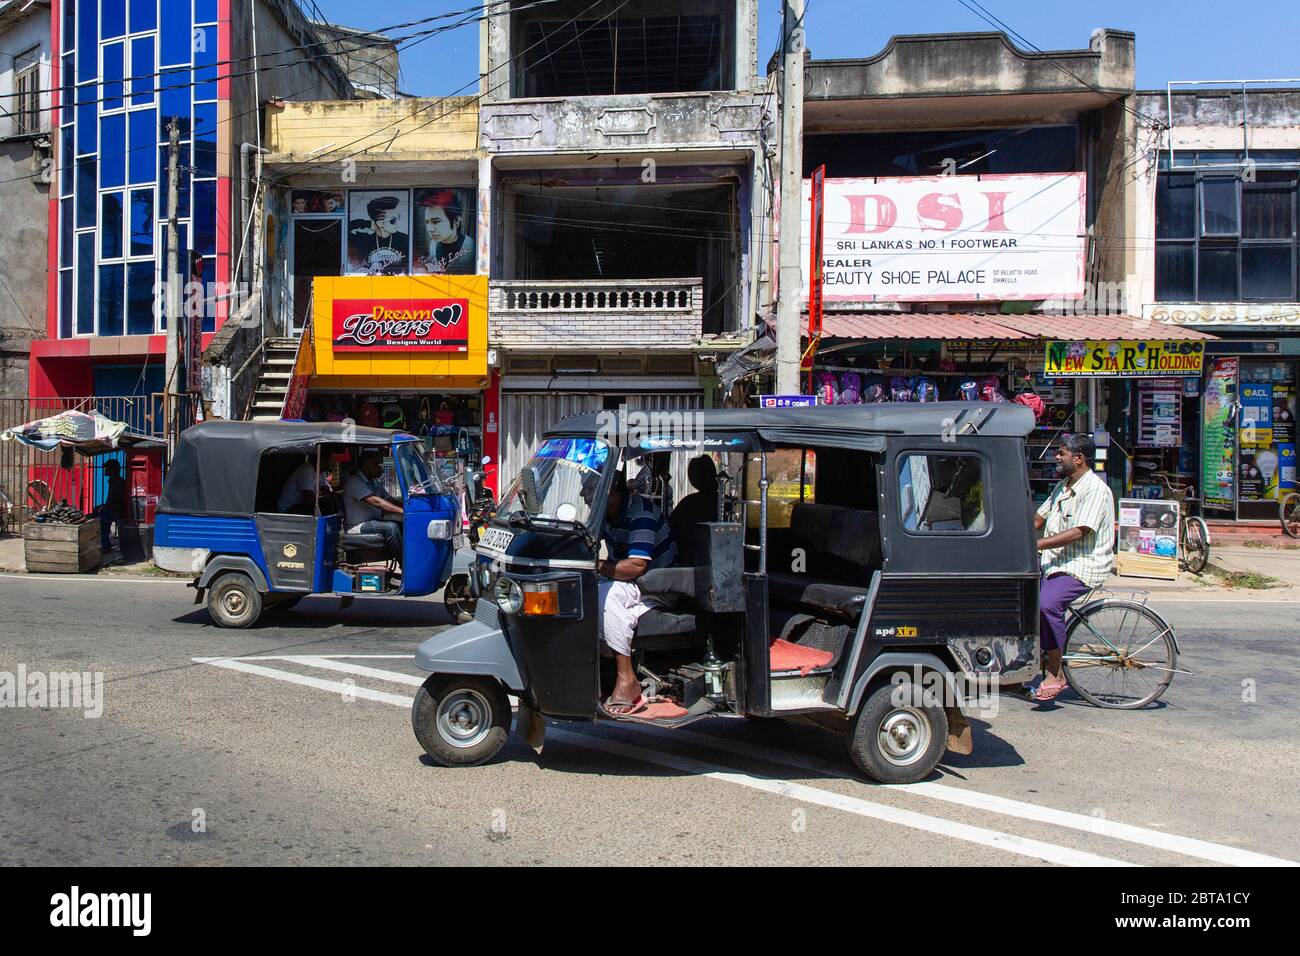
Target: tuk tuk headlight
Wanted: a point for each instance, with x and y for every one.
(509, 596)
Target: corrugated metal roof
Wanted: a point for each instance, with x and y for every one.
(953, 325)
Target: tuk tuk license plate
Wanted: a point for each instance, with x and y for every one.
(498, 539)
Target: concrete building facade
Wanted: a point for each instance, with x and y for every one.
(1218, 229)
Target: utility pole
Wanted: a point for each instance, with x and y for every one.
(787, 305)
(173, 284)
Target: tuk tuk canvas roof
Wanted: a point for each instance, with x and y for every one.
(215, 468)
(861, 427)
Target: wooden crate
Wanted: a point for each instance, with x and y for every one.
(61, 548)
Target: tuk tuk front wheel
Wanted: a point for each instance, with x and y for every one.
(234, 601)
(460, 720)
(897, 736)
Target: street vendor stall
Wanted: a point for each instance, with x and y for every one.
(100, 480)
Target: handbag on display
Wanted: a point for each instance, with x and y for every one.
(828, 388)
(924, 389)
(850, 389)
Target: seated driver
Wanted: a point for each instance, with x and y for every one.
(368, 510)
(638, 540)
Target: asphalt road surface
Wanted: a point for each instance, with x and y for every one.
(290, 743)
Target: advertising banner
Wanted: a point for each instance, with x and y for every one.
(1256, 425)
(950, 238)
(1219, 436)
(1124, 359)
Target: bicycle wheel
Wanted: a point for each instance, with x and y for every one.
(1119, 654)
(1196, 543)
(1289, 511)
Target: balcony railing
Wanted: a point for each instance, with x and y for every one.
(616, 312)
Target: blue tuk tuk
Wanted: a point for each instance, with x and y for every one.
(223, 517)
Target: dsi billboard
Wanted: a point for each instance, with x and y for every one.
(951, 238)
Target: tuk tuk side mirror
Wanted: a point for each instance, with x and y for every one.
(529, 489)
(473, 486)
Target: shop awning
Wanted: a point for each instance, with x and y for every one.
(997, 327)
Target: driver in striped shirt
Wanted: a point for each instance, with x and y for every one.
(638, 539)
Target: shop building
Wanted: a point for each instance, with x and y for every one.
(1217, 207)
(978, 212)
(125, 70)
(630, 189)
(370, 272)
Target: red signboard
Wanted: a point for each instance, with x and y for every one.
(815, 248)
(391, 325)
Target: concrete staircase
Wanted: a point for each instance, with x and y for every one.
(273, 381)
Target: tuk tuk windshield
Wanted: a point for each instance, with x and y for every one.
(559, 481)
(417, 476)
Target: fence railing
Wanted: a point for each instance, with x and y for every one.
(81, 484)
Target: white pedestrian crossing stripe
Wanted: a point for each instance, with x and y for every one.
(804, 793)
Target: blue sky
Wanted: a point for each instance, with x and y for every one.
(1176, 39)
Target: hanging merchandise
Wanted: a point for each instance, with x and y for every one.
(1032, 401)
(827, 388)
(850, 388)
(369, 415)
(924, 389)
(1160, 413)
(875, 390)
(444, 418)
(990, 390)
(968, 391)
(393, 416)
(899, 389)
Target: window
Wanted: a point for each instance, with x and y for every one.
(672, 54)
(942, 493)
(27, 91)
(1226, 229)
(791, 478)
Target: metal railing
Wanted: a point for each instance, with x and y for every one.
(597, 295)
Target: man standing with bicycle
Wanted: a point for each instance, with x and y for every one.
(1078, 525)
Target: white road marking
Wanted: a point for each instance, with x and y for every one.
(1035, 849)
(1186, 846)
(334, 686)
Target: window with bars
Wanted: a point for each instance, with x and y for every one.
(27, 91)
(1226, 228)
(665, 54)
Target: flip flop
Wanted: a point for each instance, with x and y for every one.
(623, 708)
(1045, 693)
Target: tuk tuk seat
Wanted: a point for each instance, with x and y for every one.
(359, 548)
(662, 629)
(841, 546)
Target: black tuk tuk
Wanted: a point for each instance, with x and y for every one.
(869, 567)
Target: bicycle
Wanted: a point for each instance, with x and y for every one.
(1114, 665)
(1193, 532)
(1288, 509)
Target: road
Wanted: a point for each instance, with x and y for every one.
(291, 744)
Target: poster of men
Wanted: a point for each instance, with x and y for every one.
(444, 231)
(379, 241)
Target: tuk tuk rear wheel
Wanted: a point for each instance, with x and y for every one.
(457, 598)
(461, 720)
(234, 601)
(897, 736)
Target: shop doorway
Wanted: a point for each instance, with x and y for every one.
(317, 251)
